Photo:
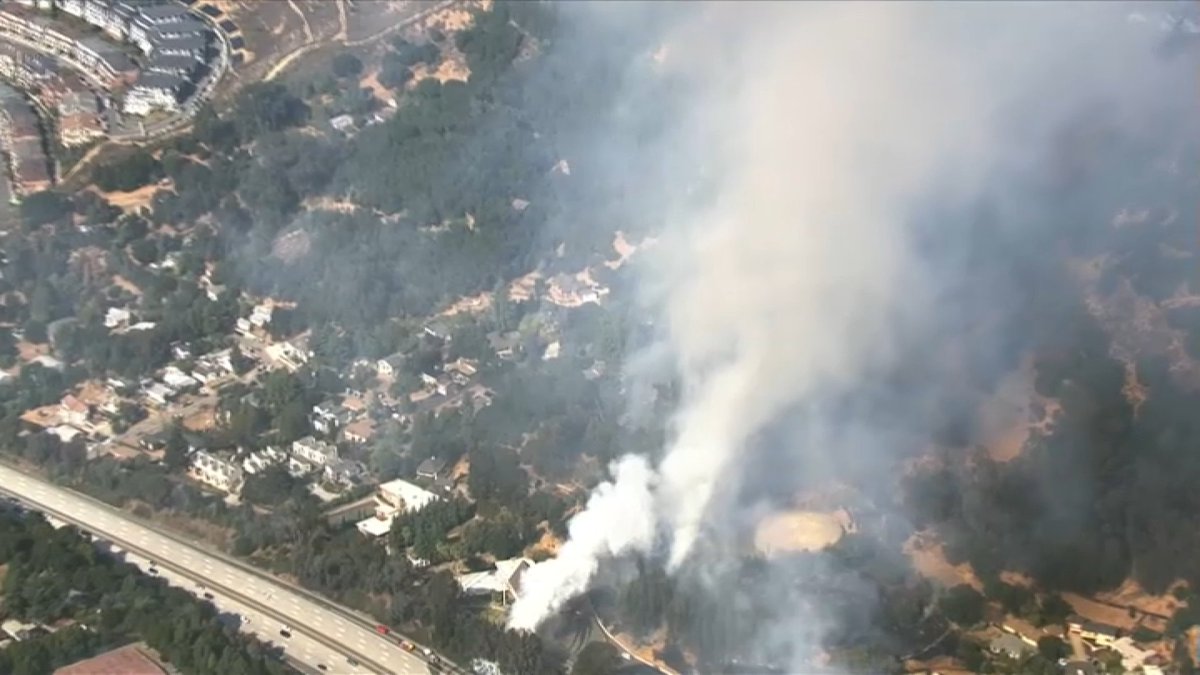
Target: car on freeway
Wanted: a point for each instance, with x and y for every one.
(407, 646)
(382, 629)
(208, 596)
(351, 661)
(285, 632)
(321, 667)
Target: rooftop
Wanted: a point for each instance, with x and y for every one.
(128, 660)
(152, 80)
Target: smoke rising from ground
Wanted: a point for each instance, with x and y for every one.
(824, 129)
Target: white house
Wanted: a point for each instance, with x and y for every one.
(503, 582)
(177, 379)
(391, 499)
(315, 452)
(116, 317)
(218, 471)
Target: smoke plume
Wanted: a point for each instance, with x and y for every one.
(823, 129)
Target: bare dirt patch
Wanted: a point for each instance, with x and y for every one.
(473, 304)
(200, 421)
(794, 531)
(140, 198)
(929, 560)
(27, 351)
(126, 285)
(370, 81)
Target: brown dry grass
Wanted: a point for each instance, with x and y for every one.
(126, 285)
(1132, 594)
(1100, 612)
(129, 201)
(371, 81)
(201, 421)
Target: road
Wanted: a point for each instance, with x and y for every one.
(322, 634)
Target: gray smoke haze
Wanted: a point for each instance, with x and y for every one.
(791, 275)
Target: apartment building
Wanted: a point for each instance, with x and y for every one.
(101, 62)
(218, 470)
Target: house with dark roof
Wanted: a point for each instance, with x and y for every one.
(431, 468)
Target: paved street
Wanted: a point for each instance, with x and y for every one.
(320, 635)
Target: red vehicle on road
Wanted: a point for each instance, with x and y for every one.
(382, 629)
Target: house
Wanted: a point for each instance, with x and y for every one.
(217, 470)
(288, 355)
(298, 468)
(315, 452)
(262, 459)
(134, 659)
(431, 468)
(342, 123)
(360, 431)
(502, 583)
(569, 291)
(65, 433)
(1132, 656)
(1100, 634)
(507, 346)
(324, 417)
(402, 495)
(73, 411)
(117, 317)
(1010, 645)
(177, 379)
(19, 630)
(155, 91)
(439, 329)
(391, 499)
(461, 370)
(344, 472)
(48, 362)
(390, 365)
(159, 393)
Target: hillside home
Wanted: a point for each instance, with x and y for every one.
(314, 452)
(217, 470)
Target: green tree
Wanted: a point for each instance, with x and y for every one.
(962, 605)
(1052, 647)
(598, 658)
(44, 207)
(346, 65)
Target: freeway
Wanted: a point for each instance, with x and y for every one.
(276, 606)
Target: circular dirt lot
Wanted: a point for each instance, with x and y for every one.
(796, 531)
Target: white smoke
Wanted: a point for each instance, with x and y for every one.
(794, 281)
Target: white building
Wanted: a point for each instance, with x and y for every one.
(116, 317)
(159, 393)
(220, 472)
(287, 354)
(392, 499)
(262, 459)
(177, 379)
(315, 452)
(154, 91)
(503, 582)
